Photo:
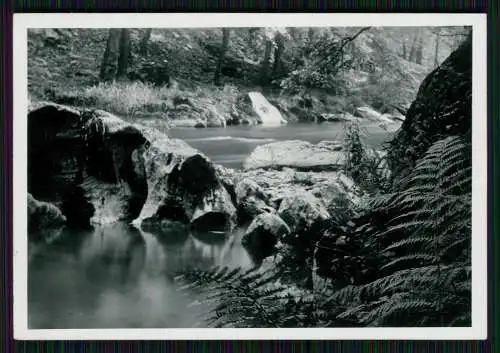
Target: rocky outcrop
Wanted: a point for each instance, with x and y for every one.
(43, 215)
(101, 169)
(443, 107)
(251, 200)
(183, 185)
(299, 155)
(278, 184)
(263, 234)
(303, 212)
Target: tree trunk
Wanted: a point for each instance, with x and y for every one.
(277, 65)
(265, 63)
(222, 54)
(413, 49)
(420, 51)
(436, 51)
(123, 60)
(404, 51)
(108, 65)
(144, 41)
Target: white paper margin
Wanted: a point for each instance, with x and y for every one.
(22, 22)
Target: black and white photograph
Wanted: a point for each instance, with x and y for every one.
(253, 176)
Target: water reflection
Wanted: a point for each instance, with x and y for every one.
(118, 276)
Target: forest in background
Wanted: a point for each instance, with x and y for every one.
(145, 72)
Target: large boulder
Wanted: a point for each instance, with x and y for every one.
(300, 155)
(303, 212)
(43, 215)
(326, 186)
(251, 200)
(183, 185)
(443, 107)
(263, 234)
(101, 169)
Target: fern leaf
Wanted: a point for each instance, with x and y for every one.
(420, 258)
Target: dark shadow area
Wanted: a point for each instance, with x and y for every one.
(212, 221)
(167, 232)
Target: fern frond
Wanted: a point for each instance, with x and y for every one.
(412, 258)
(386, 312)
(410, 242)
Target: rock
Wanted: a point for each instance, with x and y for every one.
(214, 119)
(43, 215)
(198, 123)
(331, 145)
(327, 186)
(183, 185)
(336, 117)
(227, 178)
(371, 115)
(251, 200)
(178, 100)
(101, 169)
(395, 117)
(303, 213)
(300, 155)
(263, 234)
(257, 107)
(442, 108)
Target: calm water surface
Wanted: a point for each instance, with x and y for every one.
(118, 276)
(230, 146)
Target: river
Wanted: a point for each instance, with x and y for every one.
(118, 276)
(231, 145)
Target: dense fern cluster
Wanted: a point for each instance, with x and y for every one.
(405, 262)
(425, 277)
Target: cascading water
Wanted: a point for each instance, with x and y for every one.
(269, 115)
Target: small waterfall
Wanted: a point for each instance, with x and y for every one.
(268, 113)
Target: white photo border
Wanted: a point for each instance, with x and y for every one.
(23, 22)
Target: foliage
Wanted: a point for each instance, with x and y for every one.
(247, 298)
(367, 167)
(323, 58)
(66, 61)
(126, 98)
(418, 273)
(425, 278)
(137, 99)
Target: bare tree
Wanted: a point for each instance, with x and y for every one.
(123, 59)
(222, 54)
(108, 65)
(144, 40)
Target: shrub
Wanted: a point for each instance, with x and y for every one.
(367, 167)
(128, 98)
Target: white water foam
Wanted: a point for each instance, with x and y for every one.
(268, 113)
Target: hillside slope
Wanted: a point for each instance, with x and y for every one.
(64, 62)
